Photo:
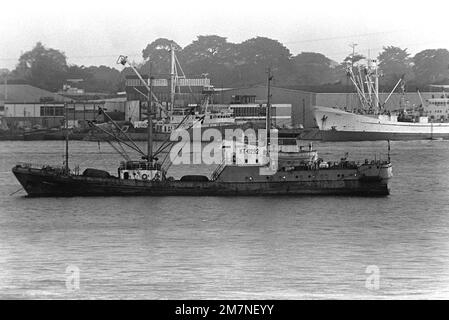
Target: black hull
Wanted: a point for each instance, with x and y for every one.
(39, 183)
(334, 135)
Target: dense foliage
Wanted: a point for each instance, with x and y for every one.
(232, 65)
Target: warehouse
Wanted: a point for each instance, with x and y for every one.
(24, 106)
(50, 115)
(256, 112)
(301, 102)
(188, 91)
(291, 107)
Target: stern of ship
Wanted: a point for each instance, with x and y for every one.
(375, 176)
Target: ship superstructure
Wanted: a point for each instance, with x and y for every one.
(373, 122)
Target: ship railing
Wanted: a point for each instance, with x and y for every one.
(47, 167)
(36, 165)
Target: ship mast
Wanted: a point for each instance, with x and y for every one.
(173, 79)
(66, 139)
(268, 112)
(150, 120)
(369, 98)
(376, 87)
(123, 60)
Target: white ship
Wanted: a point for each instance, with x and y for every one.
(374, 122)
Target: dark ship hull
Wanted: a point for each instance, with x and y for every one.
(41, 183)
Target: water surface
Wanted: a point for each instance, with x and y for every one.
(228, 248)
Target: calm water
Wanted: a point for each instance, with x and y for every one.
(211, 247)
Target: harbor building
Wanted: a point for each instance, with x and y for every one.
(290, 107)
(50, 114)
(23, 105)
(246, 108)
(287, 103)
(188, 91)
(26, 107)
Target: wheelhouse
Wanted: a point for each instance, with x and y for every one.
(140, 170)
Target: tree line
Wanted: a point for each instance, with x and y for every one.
(234, 65)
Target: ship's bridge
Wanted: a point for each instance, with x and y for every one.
(140, 170)
(437, 108)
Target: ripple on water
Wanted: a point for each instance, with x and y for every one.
(212, 247)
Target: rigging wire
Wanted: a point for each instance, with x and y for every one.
(116, 138)
(122, 153)
(121, 131)
(172, 142)
(167, 141)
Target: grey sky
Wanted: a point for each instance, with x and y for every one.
(96, 32)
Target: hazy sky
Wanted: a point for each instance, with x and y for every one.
(96, 32)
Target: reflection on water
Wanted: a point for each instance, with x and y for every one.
(212, 247)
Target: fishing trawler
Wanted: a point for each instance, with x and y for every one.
(373, 122)
(265, 167)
